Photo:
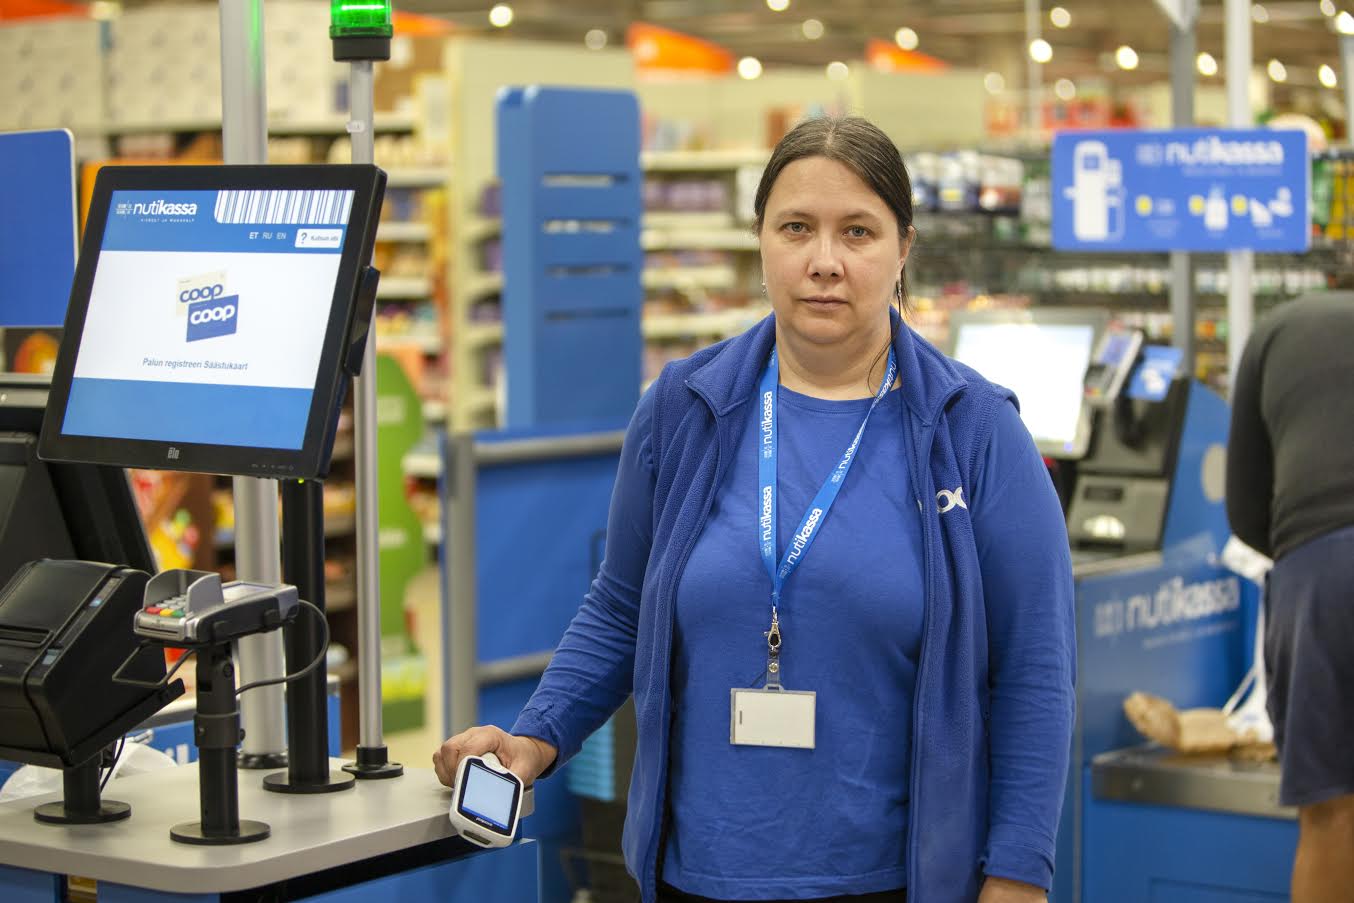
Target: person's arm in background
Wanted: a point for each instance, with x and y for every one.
(592, 670)
(1250, 456)
(1027, 587)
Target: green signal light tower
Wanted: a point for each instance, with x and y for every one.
(360, 29)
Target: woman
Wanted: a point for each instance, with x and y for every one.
(914, 577)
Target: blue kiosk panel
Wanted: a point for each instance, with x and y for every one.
(571, 254)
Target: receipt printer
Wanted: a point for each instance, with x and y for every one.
(65, 627)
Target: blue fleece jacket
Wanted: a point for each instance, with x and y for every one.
(993, 706)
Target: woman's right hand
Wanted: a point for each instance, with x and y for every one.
(525, 757)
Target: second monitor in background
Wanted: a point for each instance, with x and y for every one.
(1042, 357)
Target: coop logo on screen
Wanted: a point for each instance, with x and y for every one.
(210, 312)
(157, 207)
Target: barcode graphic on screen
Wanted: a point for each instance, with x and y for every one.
(309, 208)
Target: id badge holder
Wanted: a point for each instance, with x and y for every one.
(772, 716)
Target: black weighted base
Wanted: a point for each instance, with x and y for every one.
(191, 832)
(374, 772)
(58, 814)
(373, 764)
(280, 783)
(262, 761)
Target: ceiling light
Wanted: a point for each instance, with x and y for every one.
(749, 67)
(595, 39)
(778, 6)
(1259, 15)
(1126, 57)
(1041, 51)
(1328, 7)
(1060, 17)
(1344, 23)
(1206, 64)
(1327, 76)
(500, 16)
(813, 29)
(1065, 89)
(1277, 71)
(906, 38)
(646, 50)
(837, 71)
(994, 83)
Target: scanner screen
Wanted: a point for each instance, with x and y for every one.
(488, 795)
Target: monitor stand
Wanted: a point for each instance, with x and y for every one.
(217, 731)
(82, 805)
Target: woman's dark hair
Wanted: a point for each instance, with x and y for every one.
(861, 147)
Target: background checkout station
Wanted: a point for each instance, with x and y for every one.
(174, 277)
(1137, 452)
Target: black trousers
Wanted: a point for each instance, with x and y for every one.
(669, 894)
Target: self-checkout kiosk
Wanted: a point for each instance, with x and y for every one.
(1137, 450)
(215, 319)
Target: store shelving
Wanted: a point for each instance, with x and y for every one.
(699, 239)
(434, 410)
(404, 232)
(417, 177)
(423, 460)
(482, 335)
(403, 288)
(701, 160)
(318, 126)
(427, 343)
(708, 276)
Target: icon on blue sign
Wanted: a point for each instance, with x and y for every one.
(1097, 193)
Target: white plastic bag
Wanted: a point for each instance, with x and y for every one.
(33, 780)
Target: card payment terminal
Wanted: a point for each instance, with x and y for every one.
(188, 608)
(486, 801)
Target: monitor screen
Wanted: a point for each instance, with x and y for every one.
(1043, 360)
(488, 795)
(208, 317)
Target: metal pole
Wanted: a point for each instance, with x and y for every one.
(360, 126)
(1240, 264)
(460, 648)
(1182, 116)
(244, 133)
(1034, 73)
(1347, 73)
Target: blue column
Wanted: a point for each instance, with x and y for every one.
(568, 160)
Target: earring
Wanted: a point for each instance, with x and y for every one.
(763, 288)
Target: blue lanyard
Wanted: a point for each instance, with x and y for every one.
(803, 537)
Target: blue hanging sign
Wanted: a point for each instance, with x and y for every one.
(1181, 190)
(37, 230)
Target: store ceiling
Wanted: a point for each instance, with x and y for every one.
(984, 34)
(979, 34)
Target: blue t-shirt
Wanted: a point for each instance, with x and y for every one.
(761, 823)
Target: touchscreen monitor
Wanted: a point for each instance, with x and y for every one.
(1042, 357)
(210, 315)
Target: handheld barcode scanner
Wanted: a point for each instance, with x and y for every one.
(486, 801)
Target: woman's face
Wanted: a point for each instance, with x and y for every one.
(831, 252)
